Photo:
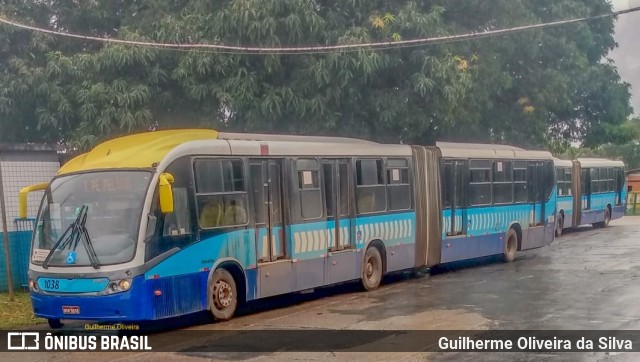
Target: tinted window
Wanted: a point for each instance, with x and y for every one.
(309, 188)
(220, 193)
(398, 188)
(447, 185)
(371, 191)
(369, 172)
(213, 176)
(502, 182)
(480, 182)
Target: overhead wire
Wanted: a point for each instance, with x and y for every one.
(236, 49)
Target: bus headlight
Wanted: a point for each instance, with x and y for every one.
(33, 285)
(119, 286)
(124, 285)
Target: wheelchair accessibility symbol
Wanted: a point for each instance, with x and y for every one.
(71, 257)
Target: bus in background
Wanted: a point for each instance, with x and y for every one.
(564, 177)
(601, 186)
(495, 197)
(168, 223)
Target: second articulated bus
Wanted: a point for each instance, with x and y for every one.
(601, 186)
(167, 223)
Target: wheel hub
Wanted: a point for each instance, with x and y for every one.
(222, 294)
(369, 269)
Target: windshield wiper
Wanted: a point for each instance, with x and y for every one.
(72, 236)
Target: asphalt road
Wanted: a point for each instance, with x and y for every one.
(587, 279)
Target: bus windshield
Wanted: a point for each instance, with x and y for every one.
(114, 201)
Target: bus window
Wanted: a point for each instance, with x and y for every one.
(584, 180)
(258, 193)
(568, 179)
(549, 179)
(370, 191)
(479, 182)
(220, 193)
(173, 230)
(560, 180)
(309, 187)
(611, 180)
(447, 184)
(595, 180)
(502, 182)
(398, 186)
(520, 193)
(329, 194)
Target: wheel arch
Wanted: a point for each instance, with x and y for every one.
(237, 272)
(518, 229)
(378, 244)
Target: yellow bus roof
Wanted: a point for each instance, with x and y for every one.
(139, 150)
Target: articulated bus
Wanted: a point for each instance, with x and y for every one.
(601, 185)
(168, 223)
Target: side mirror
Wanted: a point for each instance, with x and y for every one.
(22, 197)
(165, 192)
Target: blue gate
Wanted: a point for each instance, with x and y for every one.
(19, 247)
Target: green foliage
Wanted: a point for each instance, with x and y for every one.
(531, 88)
(628, 151)
(18, 313)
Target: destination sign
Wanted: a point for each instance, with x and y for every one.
(113, 182)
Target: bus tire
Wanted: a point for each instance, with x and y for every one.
(372, 269)
(607, 216)
(559, 225)
(510, 246)
(607, 219)
(54, 323)
(223, 295)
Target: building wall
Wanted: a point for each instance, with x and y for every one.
(633, 182)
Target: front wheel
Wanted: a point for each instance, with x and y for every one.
(510, 246)
(54, 323)
(223, 295)
(372, 269)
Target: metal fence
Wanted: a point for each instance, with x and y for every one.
(633, 203)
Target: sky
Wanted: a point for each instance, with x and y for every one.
(627, 54)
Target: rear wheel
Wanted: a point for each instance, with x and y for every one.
(372, 269)
(510, 246)
(54, 323)
(559, 225)
(607, 219)
(223, 295)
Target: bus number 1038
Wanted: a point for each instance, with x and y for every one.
(52, 284)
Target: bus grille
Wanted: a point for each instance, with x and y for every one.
(180, 295)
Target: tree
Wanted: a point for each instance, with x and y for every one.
(535, 88)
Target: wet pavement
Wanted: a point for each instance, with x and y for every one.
(588, 279)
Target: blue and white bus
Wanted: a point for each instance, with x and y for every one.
(601, 185)
(168, 223)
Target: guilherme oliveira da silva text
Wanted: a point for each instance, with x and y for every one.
(535, 344)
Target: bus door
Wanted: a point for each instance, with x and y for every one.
(536, 193)
(454, 180)
(271, 237)
(339, 195)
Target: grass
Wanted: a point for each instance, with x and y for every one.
(17, 313)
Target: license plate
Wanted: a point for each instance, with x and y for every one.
(70, 309)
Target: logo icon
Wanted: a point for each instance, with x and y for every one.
(22, 343)
(71, 257)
